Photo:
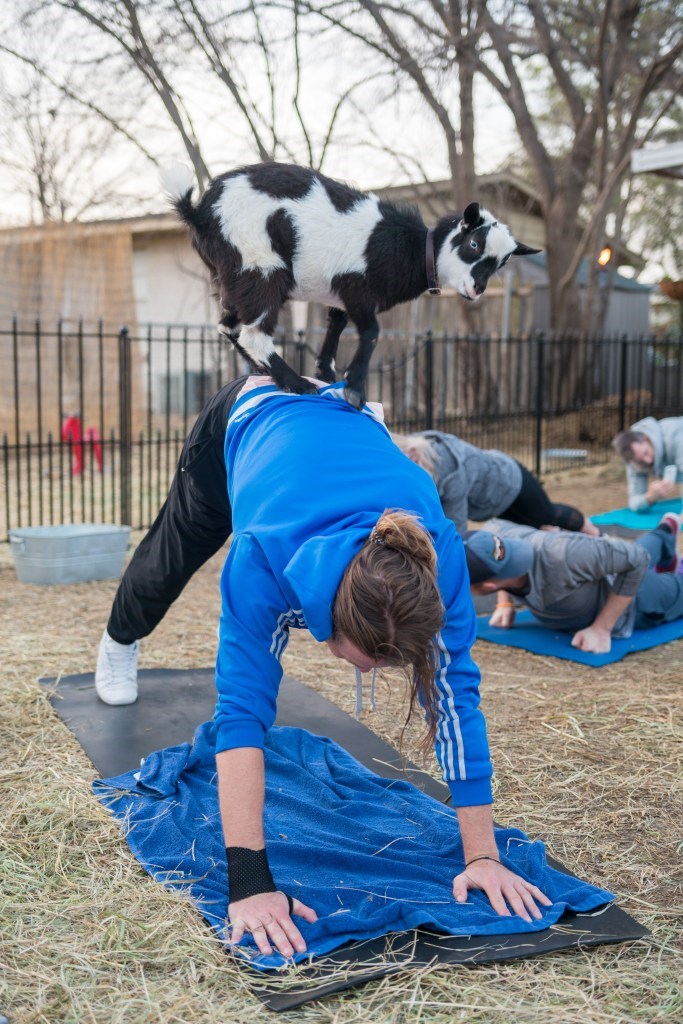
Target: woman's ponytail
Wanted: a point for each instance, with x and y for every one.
(402, 531)
(388, 604)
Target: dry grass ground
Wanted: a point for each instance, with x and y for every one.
(587, 759)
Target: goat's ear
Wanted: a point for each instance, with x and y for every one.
(471, 216)
(524, 250)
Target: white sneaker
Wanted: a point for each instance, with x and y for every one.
(116, 675)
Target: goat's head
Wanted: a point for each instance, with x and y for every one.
(474, 247)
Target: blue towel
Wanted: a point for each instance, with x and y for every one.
(647, 520)
(370, 855)
(529, 635)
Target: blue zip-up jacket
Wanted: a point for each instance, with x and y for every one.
(308, 478)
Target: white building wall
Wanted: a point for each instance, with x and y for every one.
(171, 284)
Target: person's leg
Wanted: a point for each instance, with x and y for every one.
(659, 599)
(660, 545)
(194, 522)
(532, 506)
(660, 595)
(569, 518)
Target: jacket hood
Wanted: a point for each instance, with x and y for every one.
(650, 426)
(316, 569)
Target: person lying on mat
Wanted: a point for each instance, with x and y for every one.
(653, 452)
(594, 587)
(478, 484)
(319, 541)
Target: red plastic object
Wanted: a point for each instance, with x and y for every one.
(72, 431)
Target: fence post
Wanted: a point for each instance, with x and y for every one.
(5, 468)
(283, 341)
(125, 426)
(538, 440)
(623, 368)
(301, 353)
(429, 380)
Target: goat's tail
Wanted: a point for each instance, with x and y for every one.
(177, 181)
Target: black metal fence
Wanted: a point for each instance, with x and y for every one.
(92, 422)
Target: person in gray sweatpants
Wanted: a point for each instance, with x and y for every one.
(594, 587)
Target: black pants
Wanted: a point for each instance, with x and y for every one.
(533, 507)
(192, 525)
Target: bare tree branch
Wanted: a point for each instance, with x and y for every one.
(142, 57)
(81, 100)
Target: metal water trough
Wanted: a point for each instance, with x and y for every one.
(73, 553)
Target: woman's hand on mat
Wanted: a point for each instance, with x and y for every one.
(506, 891)
(503, 617)
(266, 916)
(594, 640)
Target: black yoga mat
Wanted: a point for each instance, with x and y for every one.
(173, 702)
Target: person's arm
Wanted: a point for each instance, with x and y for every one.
(603, 558)
(462, 747)
(597, 638)
(643, 492)
(248, 674)
(242, 806)
(659, 490)
(453, 493)
(265, 914)
(504, 615)
(484, 871)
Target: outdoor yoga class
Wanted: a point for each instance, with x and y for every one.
(341, 512)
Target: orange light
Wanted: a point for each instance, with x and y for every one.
(605, 256)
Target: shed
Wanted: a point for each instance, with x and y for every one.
(628, 307)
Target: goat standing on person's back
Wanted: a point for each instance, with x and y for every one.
(273, 232)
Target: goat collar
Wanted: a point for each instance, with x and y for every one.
(432, 279)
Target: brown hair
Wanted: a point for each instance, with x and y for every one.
(418, 449)
(624, 440)
(388, 604)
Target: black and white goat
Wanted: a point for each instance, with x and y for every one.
(273, 232)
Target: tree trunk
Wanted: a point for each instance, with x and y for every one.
(562, 238)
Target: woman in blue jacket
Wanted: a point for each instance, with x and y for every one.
(334, 530)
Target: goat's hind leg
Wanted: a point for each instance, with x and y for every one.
(337, 320)
(256, 342)
(230, 327)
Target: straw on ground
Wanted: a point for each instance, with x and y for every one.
(588, 760)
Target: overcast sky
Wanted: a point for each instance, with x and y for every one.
(331, 64)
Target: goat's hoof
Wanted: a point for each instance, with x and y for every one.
(229, 333)
(327, 377)
(354, 397)
(301, 387)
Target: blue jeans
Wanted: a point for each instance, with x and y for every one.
(660, 596)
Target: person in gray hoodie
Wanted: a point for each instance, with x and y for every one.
(652, 448)
(477, 484)
(594, 587)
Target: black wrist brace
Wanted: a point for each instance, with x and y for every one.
(248, 873)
